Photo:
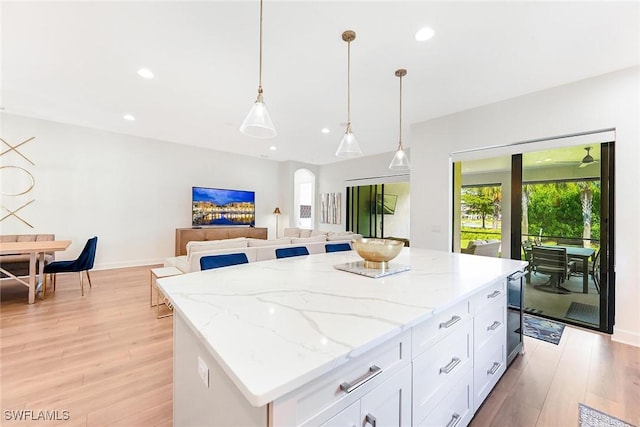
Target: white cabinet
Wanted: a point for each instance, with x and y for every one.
(329, 399)
(388, 405)
(489, 339)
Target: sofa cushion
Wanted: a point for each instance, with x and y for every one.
(305, 232)
(291, 232)
(315, 233)
(274, 242)
(296, 240)
(209, 245)
(346, 236)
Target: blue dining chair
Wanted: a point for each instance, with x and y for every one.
(216, 261)
(84, 262)
(291, 252)
(337, 247)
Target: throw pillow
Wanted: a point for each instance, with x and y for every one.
(305, 233)
(291, 232)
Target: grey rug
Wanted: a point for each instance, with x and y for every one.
(583, 313)
(589, 417)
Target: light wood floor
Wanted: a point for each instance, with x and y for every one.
(107, 360)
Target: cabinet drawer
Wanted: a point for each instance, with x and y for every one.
(455, 410)
(348, 417)
(438, 370)
(490, 322)
(341, 387)
(489, 294)
(489, 366)
(440, 324)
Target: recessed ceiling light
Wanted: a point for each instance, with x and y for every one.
(424, 34)
(273, 148)
(145, 73)
(547, 159)
(128, 117)
(325, 130)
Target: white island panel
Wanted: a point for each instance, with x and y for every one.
(274, 326)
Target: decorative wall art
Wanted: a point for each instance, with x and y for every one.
(16, 182)
(330, 208)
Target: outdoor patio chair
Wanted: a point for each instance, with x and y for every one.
(553, 262)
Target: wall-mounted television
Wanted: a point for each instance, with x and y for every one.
(217, 206)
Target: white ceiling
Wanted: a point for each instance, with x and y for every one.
(76, 62)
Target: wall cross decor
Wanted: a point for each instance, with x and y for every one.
(11, 190)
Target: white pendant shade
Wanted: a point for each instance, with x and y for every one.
(400, 160)
(349, 146)
(258, 123)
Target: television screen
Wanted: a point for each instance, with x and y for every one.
(386, 205)
(216, 206)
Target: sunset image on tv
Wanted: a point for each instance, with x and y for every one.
(215, 206)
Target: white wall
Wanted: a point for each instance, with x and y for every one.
(608, 101)
(131, 192)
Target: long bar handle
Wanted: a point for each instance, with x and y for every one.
(449, 323)
(454, 362)
(494, 294)
(370, 419)
(455, 419)
(494, 368)
(371, 374)
(494, 326)
(518, 275)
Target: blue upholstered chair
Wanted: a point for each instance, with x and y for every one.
(84, 262)
(290, 252)
(337, 247)
(225, 260)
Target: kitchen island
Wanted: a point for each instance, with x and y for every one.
(297, 342)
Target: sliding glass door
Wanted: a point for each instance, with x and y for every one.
(553, 208)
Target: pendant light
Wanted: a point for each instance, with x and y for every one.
(258, 123)
(349, 145)
(400, 160)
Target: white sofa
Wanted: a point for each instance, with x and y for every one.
(255, 249)
(483, 247)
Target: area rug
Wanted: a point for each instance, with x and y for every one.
(583, 313)
(589, 417)
(542, 329)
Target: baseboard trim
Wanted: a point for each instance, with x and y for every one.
(626, 337)
(125, 264)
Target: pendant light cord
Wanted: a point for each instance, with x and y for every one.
(349, 84)
(400, 132)
(260, 55)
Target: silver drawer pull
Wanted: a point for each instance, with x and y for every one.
(493, 294)
(373, 372)
(449, 323)
(454, 362)
(494, 326)
(494, 368)
(370, 419)
(455, 419)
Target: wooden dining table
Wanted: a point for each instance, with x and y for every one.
(36, 250)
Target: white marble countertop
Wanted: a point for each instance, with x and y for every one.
(276, 325)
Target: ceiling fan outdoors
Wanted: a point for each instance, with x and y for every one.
(587, 159)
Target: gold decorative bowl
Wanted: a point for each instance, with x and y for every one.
(377, 252)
